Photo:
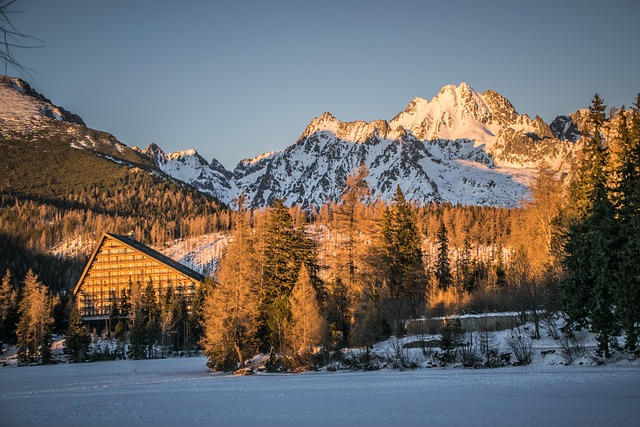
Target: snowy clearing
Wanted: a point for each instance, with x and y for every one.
(168, 392)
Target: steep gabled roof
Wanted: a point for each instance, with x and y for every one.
(133, 244)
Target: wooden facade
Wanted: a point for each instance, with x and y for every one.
(120, 262)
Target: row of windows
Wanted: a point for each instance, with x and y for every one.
(116, 250)
(132, 273)
(108, 288)
(119, 267)
(126, 276)
(103, 258)
(93, 307)
(109, 298)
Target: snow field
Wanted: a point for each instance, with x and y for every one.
(170, 392)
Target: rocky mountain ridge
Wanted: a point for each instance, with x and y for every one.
(462, 147)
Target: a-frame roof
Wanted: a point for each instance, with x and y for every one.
(145, 250)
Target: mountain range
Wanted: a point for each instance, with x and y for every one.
(461, 147)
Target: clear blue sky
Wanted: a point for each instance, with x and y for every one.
(234, 79)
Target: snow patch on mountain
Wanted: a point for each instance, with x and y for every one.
(21, 106)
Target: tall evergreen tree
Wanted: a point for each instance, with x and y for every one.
(77, 340)
(464, 268)
(167, 321)
(152, 318)
(138, 338)
(626, 286)
(443, 267)
(591, 244)
(36, 322)
(401, 255)
(284, 249)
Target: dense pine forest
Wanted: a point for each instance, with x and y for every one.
(302, 284)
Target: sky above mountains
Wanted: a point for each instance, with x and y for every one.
(235, 79)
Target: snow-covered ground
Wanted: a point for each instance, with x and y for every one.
(169, 392)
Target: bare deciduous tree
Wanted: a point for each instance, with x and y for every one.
(11, 38)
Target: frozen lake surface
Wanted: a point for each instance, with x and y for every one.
(174, 392)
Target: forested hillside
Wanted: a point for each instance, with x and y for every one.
(60, 181)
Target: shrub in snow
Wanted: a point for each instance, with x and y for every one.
(469, 354)
(362, 361)
(553, 328)
(450, 340)
(398, 356)
(573, 345)
(520, 344)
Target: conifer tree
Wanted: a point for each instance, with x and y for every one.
(151, 318)
(8, 310)
(348, 220)
(183, 322)
(591, 244)
(36, 322)
(77, 341)
(401, 255)
(229, 309)
(284, 249)
(306, 322)
(464, 268)
(167, 322)
(137, 323)
(626, 286)
(443, 268)
(351, 224)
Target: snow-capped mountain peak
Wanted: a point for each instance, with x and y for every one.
(356, 131)
(456, 112)
(190, 167)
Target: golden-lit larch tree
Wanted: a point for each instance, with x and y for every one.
(229, 309)
(8, 309)
(351, 225)
(36, 322)
(305, 332)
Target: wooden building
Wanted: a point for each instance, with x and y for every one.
(120, 262)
